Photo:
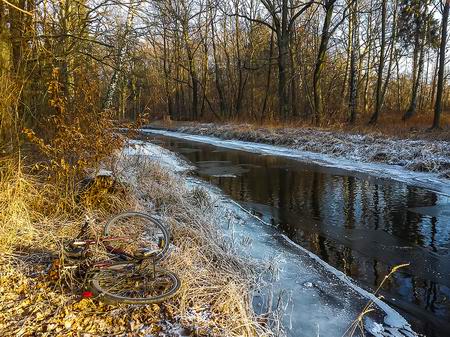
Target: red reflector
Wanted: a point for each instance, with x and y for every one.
(87, 294)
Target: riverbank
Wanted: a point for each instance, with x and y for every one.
(417, 155)
(37, 298)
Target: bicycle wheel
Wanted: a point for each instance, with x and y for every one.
(138, 235)
(127, 283)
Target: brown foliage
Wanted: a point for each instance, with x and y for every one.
(77, 136)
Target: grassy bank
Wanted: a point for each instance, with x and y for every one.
(37, 298)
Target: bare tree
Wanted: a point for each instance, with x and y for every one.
(440, 84)
(378, 94)
(354, 49)
(325, 38)
(281, 19)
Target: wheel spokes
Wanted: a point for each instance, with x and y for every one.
(136, 285)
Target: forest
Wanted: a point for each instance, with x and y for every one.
(329, 62)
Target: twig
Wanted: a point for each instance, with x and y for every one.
(18, 8)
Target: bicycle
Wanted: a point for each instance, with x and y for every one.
(131, 240)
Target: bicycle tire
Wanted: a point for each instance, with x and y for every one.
(113, 224)
(109, 284)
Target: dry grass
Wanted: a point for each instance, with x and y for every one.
(417, 127)
(19, 195)
(9, 122)
(215, 281)
(35, 298)
(358, 324)
(390, 124)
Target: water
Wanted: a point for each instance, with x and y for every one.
(359, 224)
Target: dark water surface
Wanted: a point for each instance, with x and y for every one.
(361, 225)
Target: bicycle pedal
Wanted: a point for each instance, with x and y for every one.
(148, 253)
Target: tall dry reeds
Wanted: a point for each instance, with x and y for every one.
(10, 122)
(18, 195)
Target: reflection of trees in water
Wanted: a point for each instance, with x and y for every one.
(433, 234)
(308, 203)
(376, 275)
(431, 296)
(341, 201)
(349, 202)
(376, 208)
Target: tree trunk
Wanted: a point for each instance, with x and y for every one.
(205, 74)
(392, 54)
(416, 83)
(283, 34)
(378, 94)
(241, 80)
(218, 74)
(192, 73)
(366, 77)
(16, 33)
(122, 49)
(320, 61)
(283, 94)
(440, 86)
(353, 85)
(178, 88)
(269, 76)
(294, 109)
(194, 82)
(167, 71)
(434, 80)
(423, 88)
(418, 64)
(347, 62)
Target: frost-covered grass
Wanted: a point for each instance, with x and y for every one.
(413, 154)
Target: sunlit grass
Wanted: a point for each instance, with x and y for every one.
(358, 323)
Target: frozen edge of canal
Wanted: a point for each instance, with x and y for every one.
(392, 324)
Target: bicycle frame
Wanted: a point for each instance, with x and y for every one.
(88, 242)
(122, 261)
